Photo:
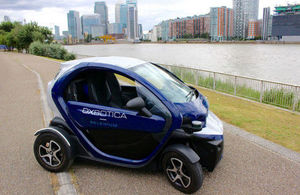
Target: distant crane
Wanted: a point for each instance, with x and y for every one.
(107, 37)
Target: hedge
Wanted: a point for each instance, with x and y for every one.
(50, 50)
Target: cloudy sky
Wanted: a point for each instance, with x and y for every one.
(151, 12)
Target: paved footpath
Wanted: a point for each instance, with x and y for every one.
(245, 169)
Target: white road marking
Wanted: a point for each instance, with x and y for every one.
(65, 181)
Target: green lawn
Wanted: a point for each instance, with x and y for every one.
(273, 124)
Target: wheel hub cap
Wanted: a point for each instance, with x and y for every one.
(176, 173)
(50, 153)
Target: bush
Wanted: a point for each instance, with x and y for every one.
(50, 50)
(69, 56)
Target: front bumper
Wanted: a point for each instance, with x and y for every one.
(209, 151)
(207, 143)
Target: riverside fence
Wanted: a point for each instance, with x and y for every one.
(268, 92)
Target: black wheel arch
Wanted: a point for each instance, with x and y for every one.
(184, 150)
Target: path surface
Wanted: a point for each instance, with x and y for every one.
(245, 169)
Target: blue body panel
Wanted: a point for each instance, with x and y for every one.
(87, 117)
(76, 123)
(195, 110)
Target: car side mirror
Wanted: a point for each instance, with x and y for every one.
(138, 104)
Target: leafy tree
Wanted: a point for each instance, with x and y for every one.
(88, 38)
(187, 36)
(38, 36)
(15, 35)
(7, 26)
(204, 35)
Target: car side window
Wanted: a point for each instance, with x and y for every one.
(109, 89)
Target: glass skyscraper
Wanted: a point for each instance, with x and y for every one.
(74, 26)
(56, 33)
(91, 24)
(101, 9)
(123, 15)
(132, 2)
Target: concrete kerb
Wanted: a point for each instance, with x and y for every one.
(66, 186)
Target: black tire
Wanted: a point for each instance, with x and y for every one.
(193, 171)
(49, 145)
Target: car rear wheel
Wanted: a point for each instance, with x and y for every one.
(183, 175)
(52, 153)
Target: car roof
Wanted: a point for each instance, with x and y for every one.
(123, 62)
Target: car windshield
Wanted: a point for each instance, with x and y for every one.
(172, 88)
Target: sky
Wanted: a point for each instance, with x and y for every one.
(150, 12)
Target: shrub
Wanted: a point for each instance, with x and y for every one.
(50, 50)
(69, 56)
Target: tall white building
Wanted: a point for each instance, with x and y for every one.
(118, 13)
(267, 24)
(244, 11)
(132, 22)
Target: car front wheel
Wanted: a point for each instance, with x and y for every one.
(183, 175)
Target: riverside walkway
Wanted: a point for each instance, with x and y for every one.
(246, 167)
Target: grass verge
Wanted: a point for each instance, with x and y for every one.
(277, 97)
(270, 123)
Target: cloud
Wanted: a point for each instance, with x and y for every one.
(150, 12)
(40, 4)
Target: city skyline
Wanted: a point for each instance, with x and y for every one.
(150, 12)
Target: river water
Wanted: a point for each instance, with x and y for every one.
(273, 62)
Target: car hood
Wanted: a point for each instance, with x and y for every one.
(194, 110)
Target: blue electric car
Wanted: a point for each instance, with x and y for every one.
(130, 113)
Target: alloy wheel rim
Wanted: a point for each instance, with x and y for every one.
(51, 154)
(176, 173)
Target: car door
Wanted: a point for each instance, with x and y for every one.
(121, 132)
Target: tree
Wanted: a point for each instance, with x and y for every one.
(88, 38)
(7, 26)
(31, 32)
(15, 35)
(204, 35)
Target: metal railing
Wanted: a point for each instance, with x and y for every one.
(268, 92)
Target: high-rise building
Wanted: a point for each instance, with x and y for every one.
(65, 34)
(101, 9)
(56, 33)
(244, 11)
(6, 19)
(91, 24)
(123, 15)
(131, 2)
(141, 34)
(114, 28)
(267, 24)
(132, 22)
(165, 27)
(221, 23)
(74, 25)
(286, 23)
(189, 27)
(118, 12)
(254, 29)
(201, 25)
